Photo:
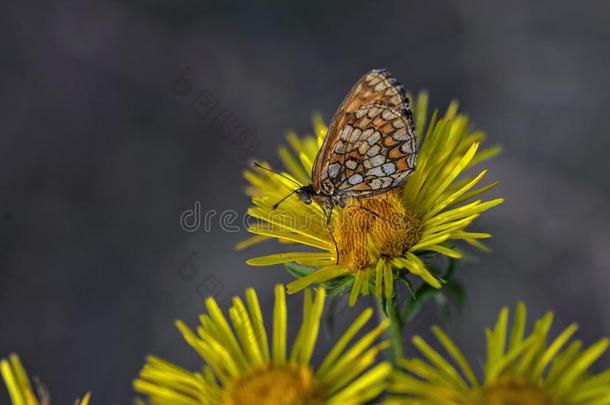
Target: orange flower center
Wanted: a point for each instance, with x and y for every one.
(510, 392)
(275, 385)
(382, 221)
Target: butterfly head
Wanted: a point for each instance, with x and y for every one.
(306, 193)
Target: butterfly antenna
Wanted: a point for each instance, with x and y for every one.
(278, 173)
(283, 199)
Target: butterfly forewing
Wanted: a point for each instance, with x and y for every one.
(370, 145)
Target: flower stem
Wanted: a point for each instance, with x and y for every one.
(394, 333)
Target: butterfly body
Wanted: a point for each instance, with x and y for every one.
(369, 148)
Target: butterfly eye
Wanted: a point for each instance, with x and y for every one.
(305, 195)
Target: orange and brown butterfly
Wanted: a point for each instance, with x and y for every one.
(370, 145)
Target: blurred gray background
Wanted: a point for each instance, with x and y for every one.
(101, 153)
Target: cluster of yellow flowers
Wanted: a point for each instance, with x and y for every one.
(248, 360)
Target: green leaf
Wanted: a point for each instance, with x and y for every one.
(412, 307)
(298, 270)
(329, 317)
(456, 293)
(414, 304)
(339, 285)
(443, 308)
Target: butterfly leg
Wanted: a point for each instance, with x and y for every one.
(330, 231)
(374, 213)
(329, 212)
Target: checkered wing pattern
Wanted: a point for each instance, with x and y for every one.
(370, 145)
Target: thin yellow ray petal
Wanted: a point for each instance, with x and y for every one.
(428, 372)
(472, 194)
(310, 336)
(456, 354)
(518, 331)
(257, 322)
(497, 340)
(421, 112)
(311, 150)
(166, 394)
(444, 155)
(429, 241)
(431, 199)
(294, 141)
(366, 273)
(319, 127)
(293, 166)
(473, 137)
(388, 280)
(344, 340)
(593, 388)
(297, 344)
(251, 241)
(444, 250)
(552, 350)
(258, 181)
(448, 227)
(484, 155)
(452, 109)
(431, 394)
(228, 336)
(527, 349)
(368, 380)
(539, 335)
(469, 235)
(245, 331)
(278, 258)
(11, 383)
(478, 245)
(354, 352)
(414, 188)
(298, 237)
(216, 355)
(583, 362)
(441, 205)
(378, 277)
(86, 399)
(443, 366)
(466, 210)
(562, 363)
(353, 295)
(305, 225)
(414, 265)
(279, 326)
(306, 160)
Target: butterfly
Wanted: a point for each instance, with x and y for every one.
(370, 146)
(369, 149)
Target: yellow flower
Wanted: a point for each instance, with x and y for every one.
(526, 369)
(19, 387)
(241, 367)
(432, 210)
